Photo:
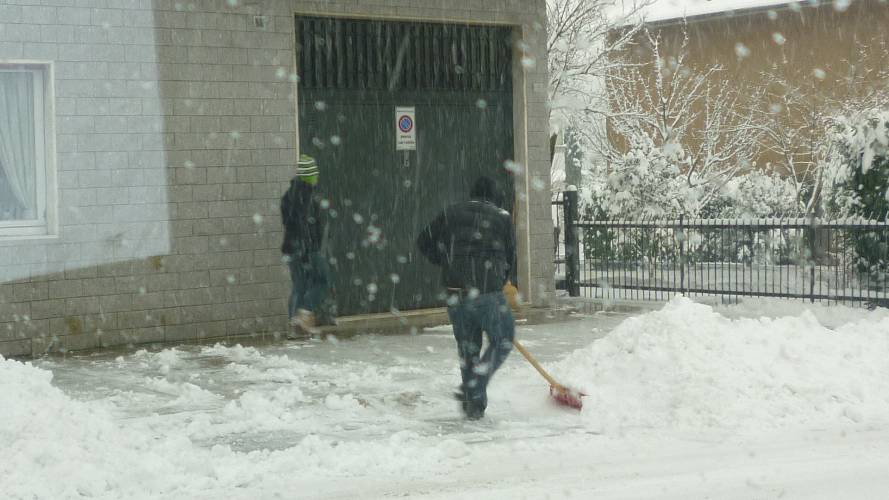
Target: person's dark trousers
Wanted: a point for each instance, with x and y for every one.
(470, 317)
(309, 274)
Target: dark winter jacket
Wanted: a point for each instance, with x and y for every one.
(474, 243)
(303, 219)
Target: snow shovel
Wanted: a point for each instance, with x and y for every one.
(563, 395)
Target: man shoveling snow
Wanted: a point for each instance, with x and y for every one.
(474, 243)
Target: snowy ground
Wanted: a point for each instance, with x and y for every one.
(764, 400)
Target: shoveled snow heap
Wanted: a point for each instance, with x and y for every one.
(687, 366)
(52, 446)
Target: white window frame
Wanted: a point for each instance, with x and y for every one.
(46, 225)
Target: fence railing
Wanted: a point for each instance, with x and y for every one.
(567, 252)
(812, 259)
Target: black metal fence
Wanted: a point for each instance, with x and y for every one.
(837, 261)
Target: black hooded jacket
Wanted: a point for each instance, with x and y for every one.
(473, 242)
(303, 219)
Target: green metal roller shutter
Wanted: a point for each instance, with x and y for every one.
(352, 75)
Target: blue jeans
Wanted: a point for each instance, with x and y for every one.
(310, 275)
(470, 317)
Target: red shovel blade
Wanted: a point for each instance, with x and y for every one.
(567, 397)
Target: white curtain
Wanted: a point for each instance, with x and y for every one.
(18, 168)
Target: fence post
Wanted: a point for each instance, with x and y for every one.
(812, 258)
(572, 245)
(682, 239)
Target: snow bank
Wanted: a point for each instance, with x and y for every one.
(74, 448)
(52, 446)
(687, 366)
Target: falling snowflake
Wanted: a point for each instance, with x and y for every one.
(841, 5)
(374, 234)
(513, 167)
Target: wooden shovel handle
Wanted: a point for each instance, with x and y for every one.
(536, 365)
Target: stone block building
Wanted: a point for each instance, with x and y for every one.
(145, 144)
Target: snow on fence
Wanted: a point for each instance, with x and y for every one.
(651, 259)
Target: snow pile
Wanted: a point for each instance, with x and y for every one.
(689, 367)
(57, 447)
(68, 442)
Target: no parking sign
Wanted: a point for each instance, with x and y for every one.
(405, 129)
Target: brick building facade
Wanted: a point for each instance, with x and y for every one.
(164, 136)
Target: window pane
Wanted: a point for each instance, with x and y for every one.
(18, 167)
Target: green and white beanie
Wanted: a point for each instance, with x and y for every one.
(306, 166)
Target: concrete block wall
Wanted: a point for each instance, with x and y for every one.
(107, 173)
(175, 137)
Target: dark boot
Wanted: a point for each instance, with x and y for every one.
(474, 404)
(473, 410)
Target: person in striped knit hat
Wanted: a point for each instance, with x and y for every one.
(303, 247)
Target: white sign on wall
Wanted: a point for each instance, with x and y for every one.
(405, 128)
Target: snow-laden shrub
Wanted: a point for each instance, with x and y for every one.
(646, 182)
(756, 194)
(857, 159)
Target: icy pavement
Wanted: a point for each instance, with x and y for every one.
(765, 400)
(273, 396)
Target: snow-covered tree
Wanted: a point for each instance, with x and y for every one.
(800, 121)
(691, 125)
(857, 172)
(581, 47)
(857, 164)
(791, 124)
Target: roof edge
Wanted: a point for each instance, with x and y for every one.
(793, 6)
